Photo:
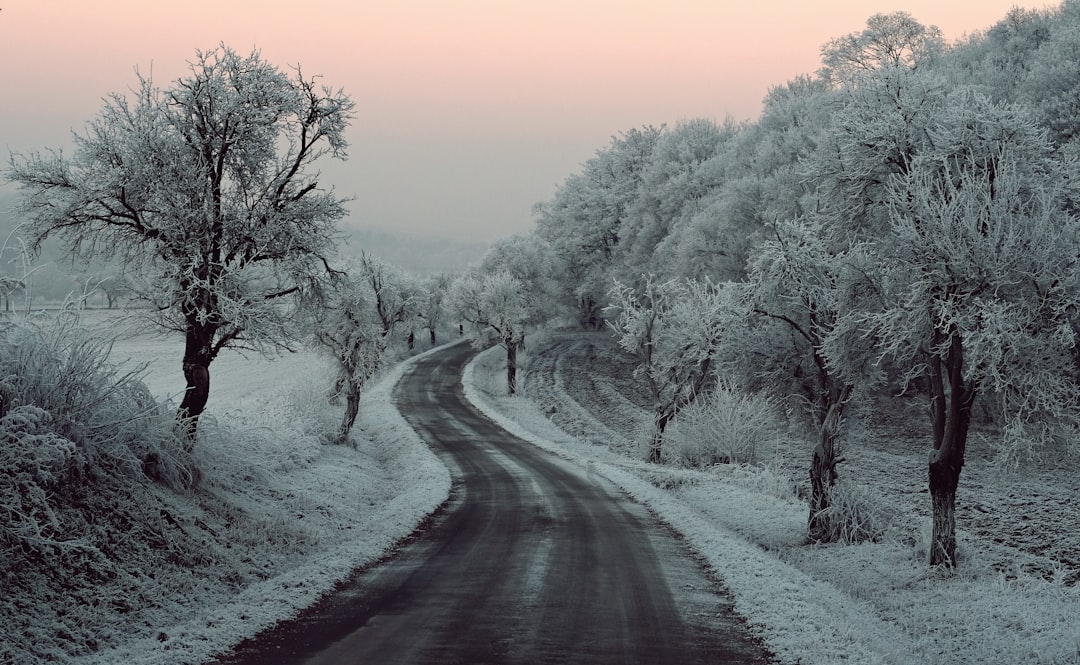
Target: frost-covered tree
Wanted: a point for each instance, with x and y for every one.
(797, 283)
(584, 222)
(674, 329)
(1049, 83)
(686, 165)
(536, 265)
(999, 60)
(889, 41)
(394, 294)
(432, 305)
(763, 182)
(206, 190)
(495, 306)
(345, 328)
(980, 283)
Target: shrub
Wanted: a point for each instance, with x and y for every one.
(66, 415)
(856, 514)
(723, 427)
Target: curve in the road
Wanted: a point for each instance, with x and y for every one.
(532, 561)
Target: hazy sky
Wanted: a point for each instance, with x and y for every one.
(468, 111)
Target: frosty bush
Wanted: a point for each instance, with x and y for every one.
(66, 415)
(725, 426)
(855, 514)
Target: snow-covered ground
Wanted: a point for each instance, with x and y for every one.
(866, 603)
(280, 517)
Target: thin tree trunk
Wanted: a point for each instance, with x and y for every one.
(339, 387)
(661, 420)
(431, 331)
(411, 339)
(511, 367)
(822, 478)
(352, 408)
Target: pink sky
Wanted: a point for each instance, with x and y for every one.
(468, 111)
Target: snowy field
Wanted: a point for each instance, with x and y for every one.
(1015, 597)
(279, 518)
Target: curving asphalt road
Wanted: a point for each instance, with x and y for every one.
(533, 561)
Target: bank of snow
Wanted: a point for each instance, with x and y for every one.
(871, 603)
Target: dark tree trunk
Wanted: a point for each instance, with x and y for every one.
(944, 478)
(352, 407)
(590, 318)
(411, 340)
(431, 331)
(511, 366)
(822, 478)
(824, 460)
(198, 352)
(339, 387)
(952, 417)
(661, 419)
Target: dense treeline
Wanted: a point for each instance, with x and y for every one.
(904, 221)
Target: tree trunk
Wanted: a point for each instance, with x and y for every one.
(511, 367)
(824, 460)
(661, 419)
(952, 417)
(411, 339)
(339, 387)
(822, 478)
(198, 352)
(352, 408)
(944, 478)
(589, 317)
(431, 331)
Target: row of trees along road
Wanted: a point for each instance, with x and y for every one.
(902, 222)
(204, 194)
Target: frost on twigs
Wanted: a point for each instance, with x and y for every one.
(206, 194)
(727, 426)
(674, 329)
(496, 308)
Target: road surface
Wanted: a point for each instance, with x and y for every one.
(533, 560)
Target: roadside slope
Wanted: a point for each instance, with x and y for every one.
(279, 519)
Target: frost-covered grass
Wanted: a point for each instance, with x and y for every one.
(163, 573)
(873, 602)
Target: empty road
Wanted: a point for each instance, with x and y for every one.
(533, 560)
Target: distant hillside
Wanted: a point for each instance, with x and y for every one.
(418, 254)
